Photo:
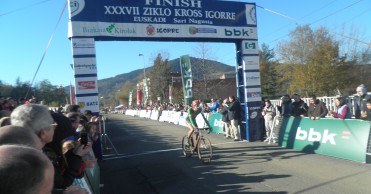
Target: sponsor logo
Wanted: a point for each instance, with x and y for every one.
(255, 108)
(250, 45)
(218, 123)
(253, 94)
(253, 115)
(236, 32)
(253, 78)
(86, 66)
(83, 43)
(168, 30)
(87, 104)
(312, 136)
(82, 104)
(76, 6)
(111, 29)
(252, 14)
(193, 30)
(95, 103)
(86, 85)
(150, 30)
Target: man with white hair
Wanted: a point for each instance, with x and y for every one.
(25, 170)
(37, 118)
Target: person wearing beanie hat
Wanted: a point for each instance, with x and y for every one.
(359, 101)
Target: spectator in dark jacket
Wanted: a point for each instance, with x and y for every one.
(68, 166)
(367, 116)
(286, 106)
(223, 110)
(317, 108)
(234, 116)
(299, 107)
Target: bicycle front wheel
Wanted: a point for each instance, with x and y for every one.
(205, 150)
(186, 147)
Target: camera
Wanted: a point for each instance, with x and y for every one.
(84, 138)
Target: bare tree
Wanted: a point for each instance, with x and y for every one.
(204, 68)
(159, 78)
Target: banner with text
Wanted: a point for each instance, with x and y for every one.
(186, 71)
(345, 139)
(162, 18)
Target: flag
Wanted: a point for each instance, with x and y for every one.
(139, 97)
(130, 97)
(186, 70)
(72, 95)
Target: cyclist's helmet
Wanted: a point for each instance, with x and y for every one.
(195, 103)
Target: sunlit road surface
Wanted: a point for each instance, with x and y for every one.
(148, 159)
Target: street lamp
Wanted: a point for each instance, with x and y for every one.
(145, 82)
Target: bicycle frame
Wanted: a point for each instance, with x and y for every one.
(198, 134)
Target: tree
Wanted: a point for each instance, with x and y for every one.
(268, 72)
(123, 94)
(159, 77)
(50, 94)
(311, 62)
(204, 68)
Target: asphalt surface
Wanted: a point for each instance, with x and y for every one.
(148, 160)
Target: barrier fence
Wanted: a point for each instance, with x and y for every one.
(329, 102)
(347, 139)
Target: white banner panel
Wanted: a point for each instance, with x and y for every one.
(83, 43)
(250, 47)
(250, 14)
(251, 62)
(85, 66)
(86, 85)
(161, 30)
(88, 103)
(83, 46)
(252, 78)
(253, 94)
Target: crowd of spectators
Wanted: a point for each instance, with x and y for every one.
(49, 145)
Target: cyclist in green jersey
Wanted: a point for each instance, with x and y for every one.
(192, 114)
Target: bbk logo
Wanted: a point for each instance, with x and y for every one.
(316, 136)
(250, 45)
(236, 32)
(218, 123)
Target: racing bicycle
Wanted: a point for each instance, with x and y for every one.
(202, 146)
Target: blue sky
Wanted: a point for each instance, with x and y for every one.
(25, 34)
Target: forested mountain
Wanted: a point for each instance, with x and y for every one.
(109, 86)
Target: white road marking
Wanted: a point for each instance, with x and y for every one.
(119, 156)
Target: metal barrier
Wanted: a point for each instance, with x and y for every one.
(329, 101)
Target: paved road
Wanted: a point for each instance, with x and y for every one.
(150, 161)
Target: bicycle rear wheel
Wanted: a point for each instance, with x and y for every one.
(205, 150)
(186, 147)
